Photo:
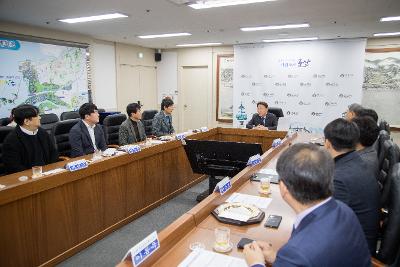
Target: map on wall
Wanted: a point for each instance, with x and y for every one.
(51, 77)
(381, 87)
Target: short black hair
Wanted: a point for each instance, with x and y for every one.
(307, 172)
(342, 134)
(369, 130)
(132, 108)
(368, 112)
(23, 112)
(87, 109)
(355, 107)
(262, 103)
(166, 102)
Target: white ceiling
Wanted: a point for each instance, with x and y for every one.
(328, 19)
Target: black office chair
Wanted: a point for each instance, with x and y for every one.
(276, 111)
(47, 121)
(60, 133)
(379, 146)
(68, 115)
(147, 119)
(111, 126)
(392, 154)
(101, 110)
(4, 121)
(4, 131)
(383, 125)
(390, 243)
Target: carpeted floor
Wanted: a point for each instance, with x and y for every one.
(110, 250)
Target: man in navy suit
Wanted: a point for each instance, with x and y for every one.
(86, 136)
(326, 232)
(263, 120)
(355, 183)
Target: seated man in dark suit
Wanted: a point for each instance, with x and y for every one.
(132, 129)
(326, 232)
(352, 111)
(369, 132)
(27, 145)
(86, 136)
(162, 121)
(355, 184)
(262, 119)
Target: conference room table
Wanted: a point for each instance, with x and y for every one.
(198, 224)
(45, 220)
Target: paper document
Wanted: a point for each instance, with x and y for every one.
(53, 171)
(268, 171)
(236, 215)
(205, 258)
(259, 202)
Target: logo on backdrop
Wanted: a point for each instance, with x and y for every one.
(333, 84)
(292, 113)
(245, 76)
(280, 102)
(346, 75)
(268, 76)
(292, 95)
(294, 63)
(301, 103)
(317, 95)
(292, 76)
(331, 104)
(319, 76)
(9, 44)
(344, 96)
(307, 84)
(256, 84)
(280, 84)
(316, 114)
(246, 94)
(268, 94)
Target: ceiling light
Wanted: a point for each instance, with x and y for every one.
(164, 35)
(202, 44)
(291, 40)
(201, 4)
(390, 18)
(387, 34)
(277, 27)
(94, 18)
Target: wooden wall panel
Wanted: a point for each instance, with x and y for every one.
(135, 186)
(114, 195)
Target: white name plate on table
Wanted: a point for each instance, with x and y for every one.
(203, 129)
(254, 160)
(77, 165)
(131, 149)
(223, 186)
(205, 258)
(142, 250)
(180, 136)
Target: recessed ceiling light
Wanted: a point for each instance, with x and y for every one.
(164, 35)
(94, 18)
(276, 27)
(201, 4)
(387, 34)
(390, 18)
(291, 40)
(201, 44)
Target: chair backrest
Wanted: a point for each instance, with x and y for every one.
(276, 111)
(47, 121)
(101, 110)
(4, 121)
(68, 115)
(390, 244)
(383, 125)
(4, 131)
(391, 158)
(147, 119)
(60, 133)
(380, 149)
(111, 126)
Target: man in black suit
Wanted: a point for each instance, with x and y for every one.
(263, 120)
(86, 136)
(355, 184)
(27, 145)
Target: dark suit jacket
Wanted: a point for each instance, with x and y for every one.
(16, 156)
(126, 134)
(162, 124)
(356, 185)
(271, 121)
(329, 236)
(80, 141)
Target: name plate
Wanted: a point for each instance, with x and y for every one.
(254, 160)
(203, 129)
(76, 165)
(141, 251)
(223, 186)
(180, 136)
(276, 142)
(131, 149)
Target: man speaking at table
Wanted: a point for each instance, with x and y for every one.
(326, 232)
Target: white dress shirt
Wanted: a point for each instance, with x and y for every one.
(91, 133)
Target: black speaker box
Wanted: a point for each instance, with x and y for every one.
(157, 56)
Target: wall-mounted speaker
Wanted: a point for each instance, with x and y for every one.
(157, 56)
